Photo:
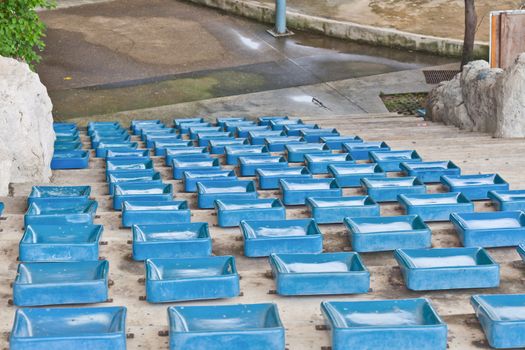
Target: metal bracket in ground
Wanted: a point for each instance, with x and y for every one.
(275, 34)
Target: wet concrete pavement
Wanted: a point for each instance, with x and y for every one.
(131, 54)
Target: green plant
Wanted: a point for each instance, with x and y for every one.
(21, 30)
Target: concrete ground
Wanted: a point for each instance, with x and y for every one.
(343, 97)
(131, 54)
(442, 18)
(473, 152)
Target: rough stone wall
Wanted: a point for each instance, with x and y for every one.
(483, 99)
(26, 126)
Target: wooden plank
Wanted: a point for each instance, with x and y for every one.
(512, 38)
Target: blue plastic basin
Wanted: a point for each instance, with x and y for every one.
(244, 131)
(210, 191)
(280, 124)
(333, 210)
(350, 174)
(508, 200)
(278, 143)
(336, 142)
(59, 283)
(295, 152)
(196, 152)
(139, 163)
(181, 165)
(151, 139)
(360, 150)
(96, 139)
(223, 120)
(174, 280)
(178, 121)
(490, 229)
(191, 177)
(295, 129)
(138, 212)
(230, 212)
(61, 212)
(269, 178)
(66, 159)
(447, 268)
(161, 146)
(232, 126)
(474, 187)
(391, 160)
(171, 241)
(103, 147)
(387, 189)
(373, 234)
(259, 137)
(72, 242)
(184, 128)
(204, 138)
(234, 152)
(502, 318)
(39, 193)
(430, 172)
(141, 192)
(217, 145)
(171, 133)
(318, 163)
(409, 324)
(69, 328)
(232, 327)
(67, 145)
(435, 206)
(249, 164)
(314, 135)
(127, 153)
(295, 191)
(265, 120)
(132, 176)
(319, 274)
(262, 238)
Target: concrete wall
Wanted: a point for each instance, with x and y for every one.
(347, 30)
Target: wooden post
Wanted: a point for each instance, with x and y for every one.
(471, 21)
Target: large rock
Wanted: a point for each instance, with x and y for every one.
(510, 101)
(477, 87)
(26, 126)
(446, 104)
(483, 99)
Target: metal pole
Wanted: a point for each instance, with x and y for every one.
(280, 16)
(280, 20)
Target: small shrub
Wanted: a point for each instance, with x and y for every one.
(21, 30)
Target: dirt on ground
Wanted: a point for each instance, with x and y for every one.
(443, 18)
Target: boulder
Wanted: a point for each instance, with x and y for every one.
(510, 100)
(483, 99)
(26, 126)
(446, 104)
(477, 87)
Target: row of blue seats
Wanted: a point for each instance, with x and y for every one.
(68, 153)
(378, 324)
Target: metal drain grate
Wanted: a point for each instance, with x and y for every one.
(437, 76)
